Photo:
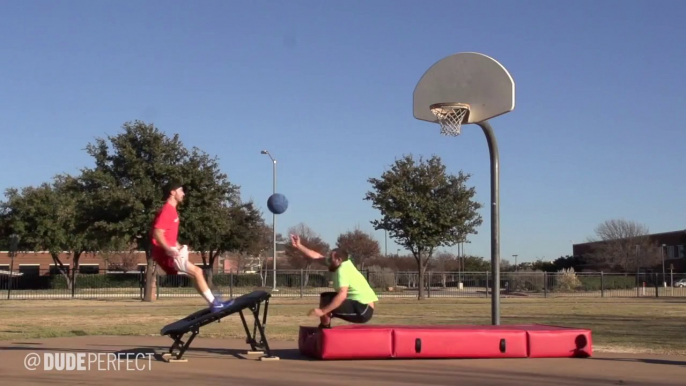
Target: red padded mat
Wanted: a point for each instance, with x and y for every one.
(459, 343)
(340, 343)
(444, 341)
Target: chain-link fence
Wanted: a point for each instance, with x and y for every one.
(387, 284)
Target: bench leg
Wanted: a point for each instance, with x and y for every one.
(263, 336)
(181, 346)
(261, 346)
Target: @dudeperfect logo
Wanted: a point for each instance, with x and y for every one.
(66, 361)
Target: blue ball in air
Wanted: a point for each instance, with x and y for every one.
(277, 203)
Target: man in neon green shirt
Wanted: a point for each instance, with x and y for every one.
(353, 301)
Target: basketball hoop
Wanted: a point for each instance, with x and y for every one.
(451, 116)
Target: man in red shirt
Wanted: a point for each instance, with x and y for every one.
(171, 256)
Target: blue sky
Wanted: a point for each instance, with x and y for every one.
(597, 132)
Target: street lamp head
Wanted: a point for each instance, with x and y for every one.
(264, 152)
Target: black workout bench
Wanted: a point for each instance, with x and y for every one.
(192, 323)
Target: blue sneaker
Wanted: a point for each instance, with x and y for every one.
(217, 306)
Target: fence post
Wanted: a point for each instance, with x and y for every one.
(302, 282)
(602, 284)
(428, 285)
(657, 287)
(488, 273)
(9, 285)
(638, 285)
(545, 284)
(231, 283)
(73, 284)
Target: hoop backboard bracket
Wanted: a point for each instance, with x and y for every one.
(470, 78)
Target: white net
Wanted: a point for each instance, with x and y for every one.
(450, 117)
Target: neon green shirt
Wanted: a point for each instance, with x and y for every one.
(358, 289)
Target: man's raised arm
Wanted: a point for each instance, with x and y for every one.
(295, 240)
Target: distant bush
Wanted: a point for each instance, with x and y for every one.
(111, 280)
(609, 282)
(567, 280)
(382, 278)
(524, 280)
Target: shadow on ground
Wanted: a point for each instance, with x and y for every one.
(649, 361)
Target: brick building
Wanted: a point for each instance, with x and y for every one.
(42, 263)
(673, 244)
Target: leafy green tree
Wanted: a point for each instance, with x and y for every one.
(110, 207)
(248, 237)
(211, 210)
(125, 186)
(424, 208)
(51, 217)
(476, 264)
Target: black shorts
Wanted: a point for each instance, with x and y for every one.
(350, 310)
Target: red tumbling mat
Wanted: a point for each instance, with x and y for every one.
(559, 342)
(382, 342)
(346, 343)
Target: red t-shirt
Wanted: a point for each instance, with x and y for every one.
(167, 219)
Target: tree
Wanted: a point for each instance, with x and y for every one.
(119, 255)
(263, 250)
(506, 266)
(51, 217)
(545, 266)
(566, 262)
(445, 262)
(212, 215)
(624, 245)
(262, 247)
(126, 184)
(423, 208)
(476, 264)
(246, 234)
(361, 245)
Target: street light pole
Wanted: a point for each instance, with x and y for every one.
(515, 257)
(273, 217)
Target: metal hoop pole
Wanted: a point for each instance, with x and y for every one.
(495, 220)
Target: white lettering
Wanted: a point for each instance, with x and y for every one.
(48, 361)
(113, 359)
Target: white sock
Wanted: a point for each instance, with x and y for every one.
(208, 296)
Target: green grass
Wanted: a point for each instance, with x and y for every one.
(654, 325)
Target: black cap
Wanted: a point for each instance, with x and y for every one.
(172, 184)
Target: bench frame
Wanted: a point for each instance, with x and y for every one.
(179, 347)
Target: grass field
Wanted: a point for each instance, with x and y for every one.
(631, 325)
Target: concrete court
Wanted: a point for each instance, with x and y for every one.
(224, 362)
